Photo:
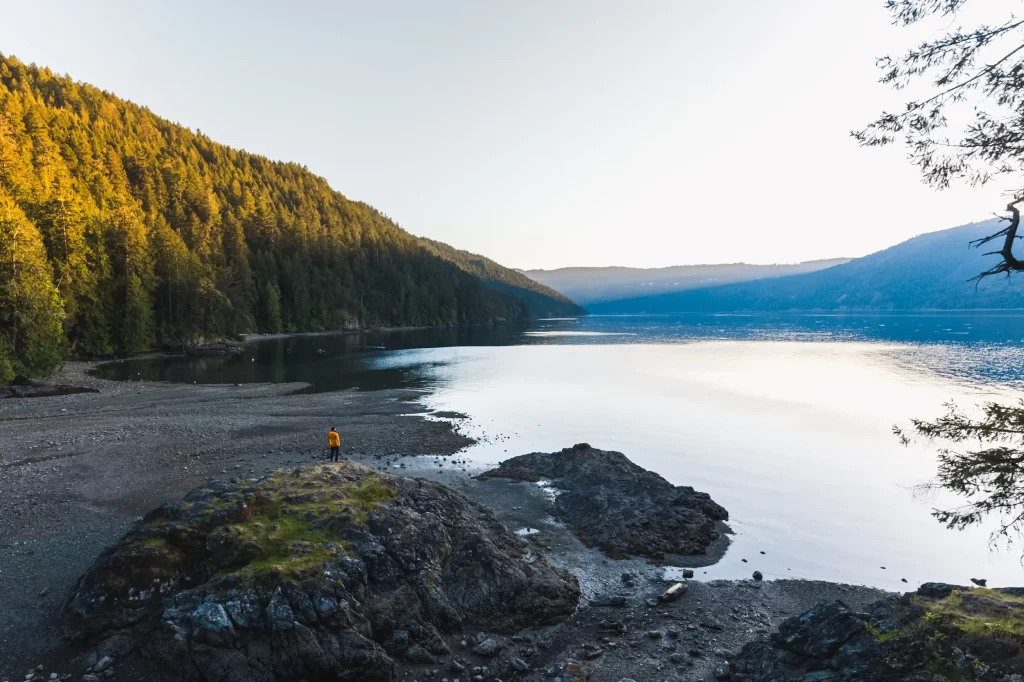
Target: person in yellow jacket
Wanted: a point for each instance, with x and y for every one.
(334, 440)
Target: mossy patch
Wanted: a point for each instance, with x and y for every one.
(293, 522)
(287, 525)
(881, 636)
(978, 613)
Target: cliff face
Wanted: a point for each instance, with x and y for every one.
(330, 572)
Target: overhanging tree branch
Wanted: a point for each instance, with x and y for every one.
(1009, 263)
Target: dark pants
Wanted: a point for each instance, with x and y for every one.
(335, 453)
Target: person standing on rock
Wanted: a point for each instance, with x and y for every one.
(334, 440)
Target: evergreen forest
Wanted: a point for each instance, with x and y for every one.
(121, 231)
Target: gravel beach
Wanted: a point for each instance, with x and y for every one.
(77, 470)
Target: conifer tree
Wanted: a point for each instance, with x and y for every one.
(31, 335)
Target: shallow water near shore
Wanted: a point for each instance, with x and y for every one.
(785, 420)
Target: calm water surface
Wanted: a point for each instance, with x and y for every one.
(784, 419)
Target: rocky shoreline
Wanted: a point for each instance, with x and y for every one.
(226, 613)
(938, 633)
(41, 389)
(80, 471)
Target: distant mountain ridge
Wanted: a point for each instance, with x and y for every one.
(588, 285)
(929, 272)
(542, 301)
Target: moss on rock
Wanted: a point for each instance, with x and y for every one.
(941, 633)
(978, 612)
(284, 525)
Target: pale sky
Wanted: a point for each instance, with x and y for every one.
(541, 133)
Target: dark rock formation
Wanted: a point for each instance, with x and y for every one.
(28, 388)
(332, 572)
(213, 348)
(617, 506)
(937, 590)
(941, 633)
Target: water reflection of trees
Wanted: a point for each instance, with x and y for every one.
(982, 461)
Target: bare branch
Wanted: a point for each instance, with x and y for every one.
(1009, 262)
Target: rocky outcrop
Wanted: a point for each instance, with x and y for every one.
(213, 348)
(941, 633)
(330, 572)
(611, 503)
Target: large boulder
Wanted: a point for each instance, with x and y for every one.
(330, 572)
(623, 509)
(820, 632)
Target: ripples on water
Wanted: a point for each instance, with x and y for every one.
(785, 419)
(977, 364)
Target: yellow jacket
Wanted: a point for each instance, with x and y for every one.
(333, 439)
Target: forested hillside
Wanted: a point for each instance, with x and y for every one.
(120, 230)
(929, 272)
(543, 301)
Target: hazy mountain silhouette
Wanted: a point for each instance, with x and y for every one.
(929, 272)
(590, 285)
